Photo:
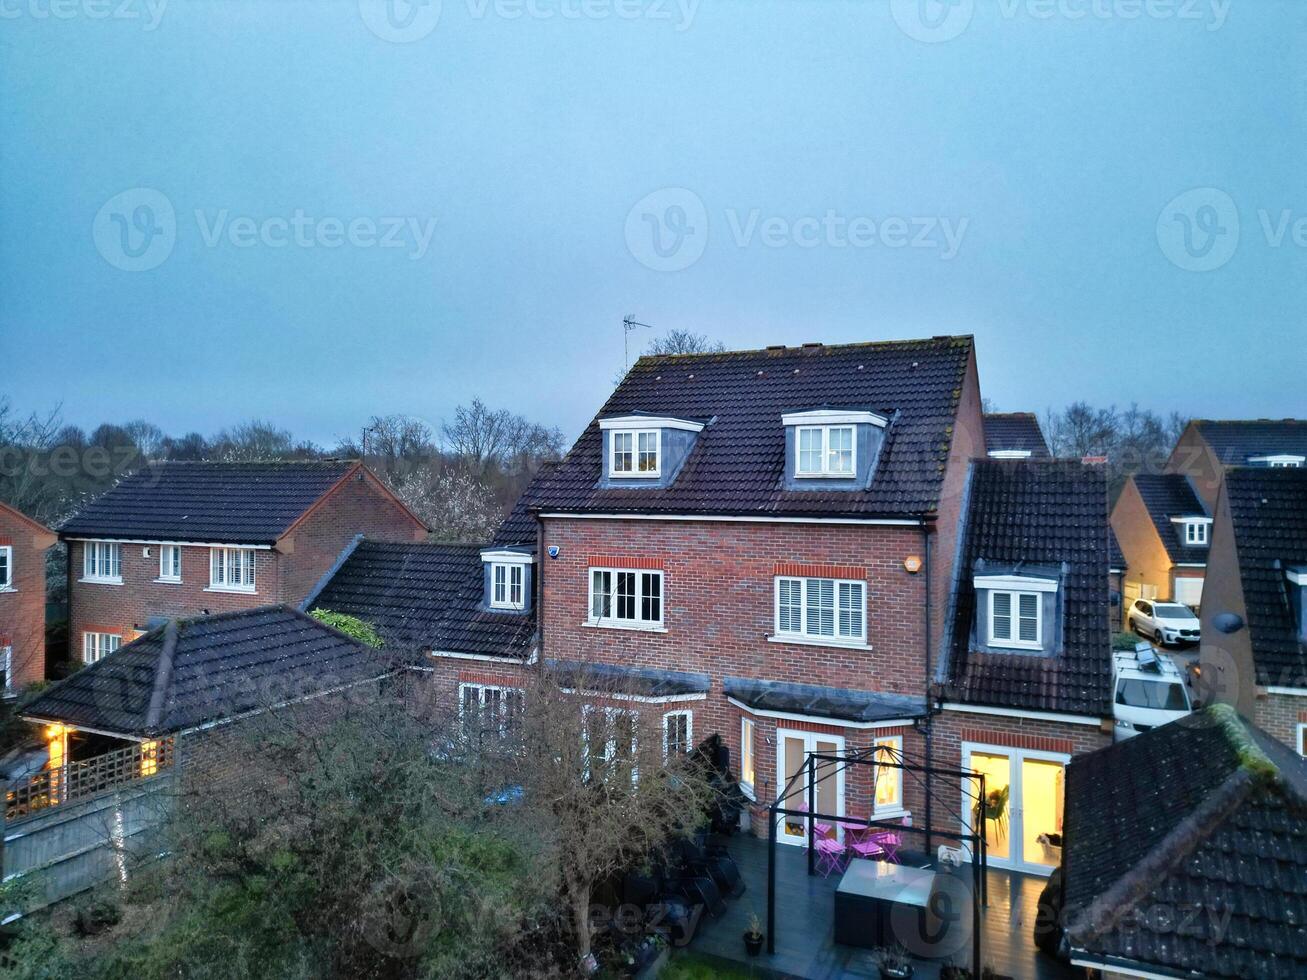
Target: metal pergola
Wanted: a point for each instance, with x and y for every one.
(891, 758)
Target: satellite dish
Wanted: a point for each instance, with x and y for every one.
(1227, 622)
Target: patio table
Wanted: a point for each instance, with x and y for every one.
(867, 894)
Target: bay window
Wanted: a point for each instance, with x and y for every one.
(889, 784)
(748, 767)
(678, 730)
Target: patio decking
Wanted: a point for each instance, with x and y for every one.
(805, 918)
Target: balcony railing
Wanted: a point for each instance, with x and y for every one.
(78, 780)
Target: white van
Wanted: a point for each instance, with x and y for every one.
(1147, 691)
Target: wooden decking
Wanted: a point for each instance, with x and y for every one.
(805, 919)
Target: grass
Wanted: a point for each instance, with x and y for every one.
(692, 966)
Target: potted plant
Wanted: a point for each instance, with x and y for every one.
(994, 809)
(894, 962)
(955, 972)
(753, 935)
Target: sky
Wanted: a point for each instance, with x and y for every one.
(314, 211)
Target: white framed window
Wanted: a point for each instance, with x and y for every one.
(231, 569)
(6, 568)
(1195, 532)
(626, 597)
(97, 646)
(1280, 460)
(821, 608)
(102, 561)
(825, 450)
(1302, 738)
(636, 452)
(748, 765)
(486, 709)
(609, 739)
(7, 665)
(889, 780)
(506, 585)
(678, 733)
(170, 563)
(1016, 620)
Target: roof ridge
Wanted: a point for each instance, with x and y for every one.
(163, 672)
(808, 350)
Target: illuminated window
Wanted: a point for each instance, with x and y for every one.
(889, 782)
(747, 765)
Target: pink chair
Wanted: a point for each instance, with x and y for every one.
(889, 841)
(862, 845)
(832, 857)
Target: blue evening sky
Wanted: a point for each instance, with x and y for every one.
(1109, 194)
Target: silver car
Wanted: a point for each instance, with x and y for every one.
(1164, 622)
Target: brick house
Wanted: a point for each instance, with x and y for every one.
(189, 539)
(1207, 447)
(1254, 646)
(1163, 527)
(1025, 677)
(23, 544)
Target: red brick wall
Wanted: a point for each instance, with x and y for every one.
(22, 611)
(1279, 715)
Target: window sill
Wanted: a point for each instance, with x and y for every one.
(100, 581)
(7, 588)
(229, 590)
(597, 624)
(825, 476)
(748, 793)
(168, 581)
(894, 813)
(506, 609)
(1016, 645)
(807, 641)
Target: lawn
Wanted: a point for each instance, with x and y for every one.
(691, 966)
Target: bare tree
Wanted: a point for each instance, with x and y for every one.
(252, 441)
(684, 342)
(482, 435)
(147, 437)
(451, 500)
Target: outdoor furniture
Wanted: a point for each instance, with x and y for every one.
(868, 896)
(889, 841)
(831, 856)
(862, 846)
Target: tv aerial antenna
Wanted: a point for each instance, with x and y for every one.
(630, 323)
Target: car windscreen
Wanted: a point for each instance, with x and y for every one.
(1134, 693)
(1173, 611)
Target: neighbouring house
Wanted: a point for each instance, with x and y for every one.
(1207, 447)
(749, 544)
(1254, 645)
(1163, 528)
(1186, 854)
(188, 539)
(1117, 569)
(1025, 679)
(23, 544)
(1014, 435)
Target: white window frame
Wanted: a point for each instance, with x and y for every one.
(96, 645)
(7, 583)
(635, 473)
(1014, 642)
(98, 556)
(610, 716)
(511, 571)
(1302, 738)
(1195, 533)
(825, 472)
(748, 734)
(1280, 460)
(615, 622)
(689, 731)
(894, 742)
(7, 660)
(803, 634)
(506, 694)
(224, 583)
(166, 551)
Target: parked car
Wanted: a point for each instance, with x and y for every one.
(1147, 690)
(1165, 622)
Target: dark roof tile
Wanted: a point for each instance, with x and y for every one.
(1015, 430)
(1168, 495)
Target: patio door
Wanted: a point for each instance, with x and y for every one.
(1024, 789)
(792, 748)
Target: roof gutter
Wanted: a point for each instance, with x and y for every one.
(745, 518)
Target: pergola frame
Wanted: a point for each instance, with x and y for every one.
(888, 756)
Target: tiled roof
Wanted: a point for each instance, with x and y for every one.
(1233, 441)
(1186, 852)
(1115, 556)
(1050, 513)
(426, 595)
(519, 528)
(824, 702)
(235, 503)
(1015, 430)
(217, 667)
(738, 461)
(1167, 495)
(1268, 511)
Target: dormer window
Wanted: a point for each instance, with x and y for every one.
(826, 450)
(507, 578)
(1195, 533)
(1016, 612)
(1279, 460)
(1009, 454)
(636, 453)
(1015, 620)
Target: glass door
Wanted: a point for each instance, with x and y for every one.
(792, 750)
(1023, 805)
